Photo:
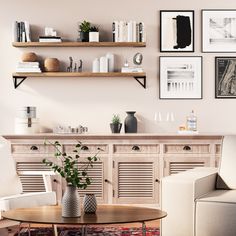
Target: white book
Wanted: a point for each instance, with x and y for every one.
(14, 31)
(131, 69)
(27, 31)
(50, 40)
(115, 32)
(27, 66)
(35, 63)
(137, 33)
(134, 31)
(121, 31)
(142, 32)
(28, 70)
(130, 31)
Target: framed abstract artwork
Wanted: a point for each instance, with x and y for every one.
(176, 31)
(225, 77)
(180, 77)
(218, 30)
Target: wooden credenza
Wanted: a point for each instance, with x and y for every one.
(130, 166)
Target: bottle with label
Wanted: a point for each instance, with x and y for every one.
(192, 122)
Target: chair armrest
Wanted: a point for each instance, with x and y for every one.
(178, 194)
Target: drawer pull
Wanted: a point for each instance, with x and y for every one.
(34, 148)
(84, 148)
(136, 148)
(157, 180)
(106, 180)
(187, 148)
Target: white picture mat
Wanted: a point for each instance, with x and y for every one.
(181, 86)
(168, 31)
(207, 32)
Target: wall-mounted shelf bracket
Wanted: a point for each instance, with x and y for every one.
(141, 80)
(18, 80)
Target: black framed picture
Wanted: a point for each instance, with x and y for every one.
(176, 31)
(225, 77)
(180, 77)
(218, 30)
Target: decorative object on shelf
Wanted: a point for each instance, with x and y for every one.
(191, 122)
(123, 31)
(103, 65)
(80, 66)
(50, 36)
(70, 130)
(29, 57)
(177, 31)
(84, 29)
(26, 121)
(138, 58)
(70, 67)
(96, 65)
(225, 84)
(94, 34)
(111, 62)
(76, 67)
(219, 30)
(131, 123)
(49, 31)
(89, 203)
(180, 77)
(75, 173)
(21, 31)
(115, 124)
(52, 65)
(28, 67)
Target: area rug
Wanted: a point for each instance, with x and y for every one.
(91, 231)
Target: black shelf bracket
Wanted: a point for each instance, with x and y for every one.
(18, 80)
(141, 80)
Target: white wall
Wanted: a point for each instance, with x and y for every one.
(91, 102)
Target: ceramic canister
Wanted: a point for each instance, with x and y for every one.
(27, 112)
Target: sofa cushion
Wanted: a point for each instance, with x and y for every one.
(227, 176)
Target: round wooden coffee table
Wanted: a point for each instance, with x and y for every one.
(106, 214)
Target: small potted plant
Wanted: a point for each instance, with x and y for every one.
(75, 172)
(84, 29)
(115, 124)
(94, 34)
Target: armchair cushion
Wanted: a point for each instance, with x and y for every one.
(227, 177)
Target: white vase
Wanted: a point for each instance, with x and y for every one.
(93, 36)
(89, 203)
(96, 66)
(71, 202)
(103, 64)
(111, 62)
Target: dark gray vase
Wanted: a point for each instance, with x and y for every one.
(131, 124)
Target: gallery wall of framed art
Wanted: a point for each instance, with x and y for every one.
(181, 76)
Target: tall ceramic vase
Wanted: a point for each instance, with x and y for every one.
(89, 203)
(71, 202)
(131, 124)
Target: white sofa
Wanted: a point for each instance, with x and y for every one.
(202, 201)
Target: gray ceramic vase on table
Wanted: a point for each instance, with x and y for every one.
(131, 124)
(71, 202)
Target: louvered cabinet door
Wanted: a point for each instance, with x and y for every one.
(176, 164)
(135, 180)
(98, 184)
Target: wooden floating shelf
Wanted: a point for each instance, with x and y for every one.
(78, 44)
(138, 76)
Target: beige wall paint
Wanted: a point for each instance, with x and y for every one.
(92, 102)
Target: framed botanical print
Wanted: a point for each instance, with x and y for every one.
(219, 30)
(176, 31)
(225, 77)
(180, 77)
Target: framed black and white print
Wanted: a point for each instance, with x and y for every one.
(176, 31)
(180, 77)
(225, 77)
(219, 30)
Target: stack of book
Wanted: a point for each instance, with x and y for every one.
(49, 39)
(131, 31)
(130, 69)
(21, 31)
(28, 67)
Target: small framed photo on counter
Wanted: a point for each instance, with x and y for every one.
(225, 79)
(180, 77)
(176, 31)
(219, 30)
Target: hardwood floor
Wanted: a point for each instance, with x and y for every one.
(9, 228)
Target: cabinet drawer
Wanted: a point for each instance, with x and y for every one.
(87, 148)
(31, 148)
(218, 149)
(136, 148)
(186, 148)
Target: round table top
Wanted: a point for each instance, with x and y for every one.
(105, 214)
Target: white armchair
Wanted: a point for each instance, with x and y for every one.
(11, 195)
(202, 201)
